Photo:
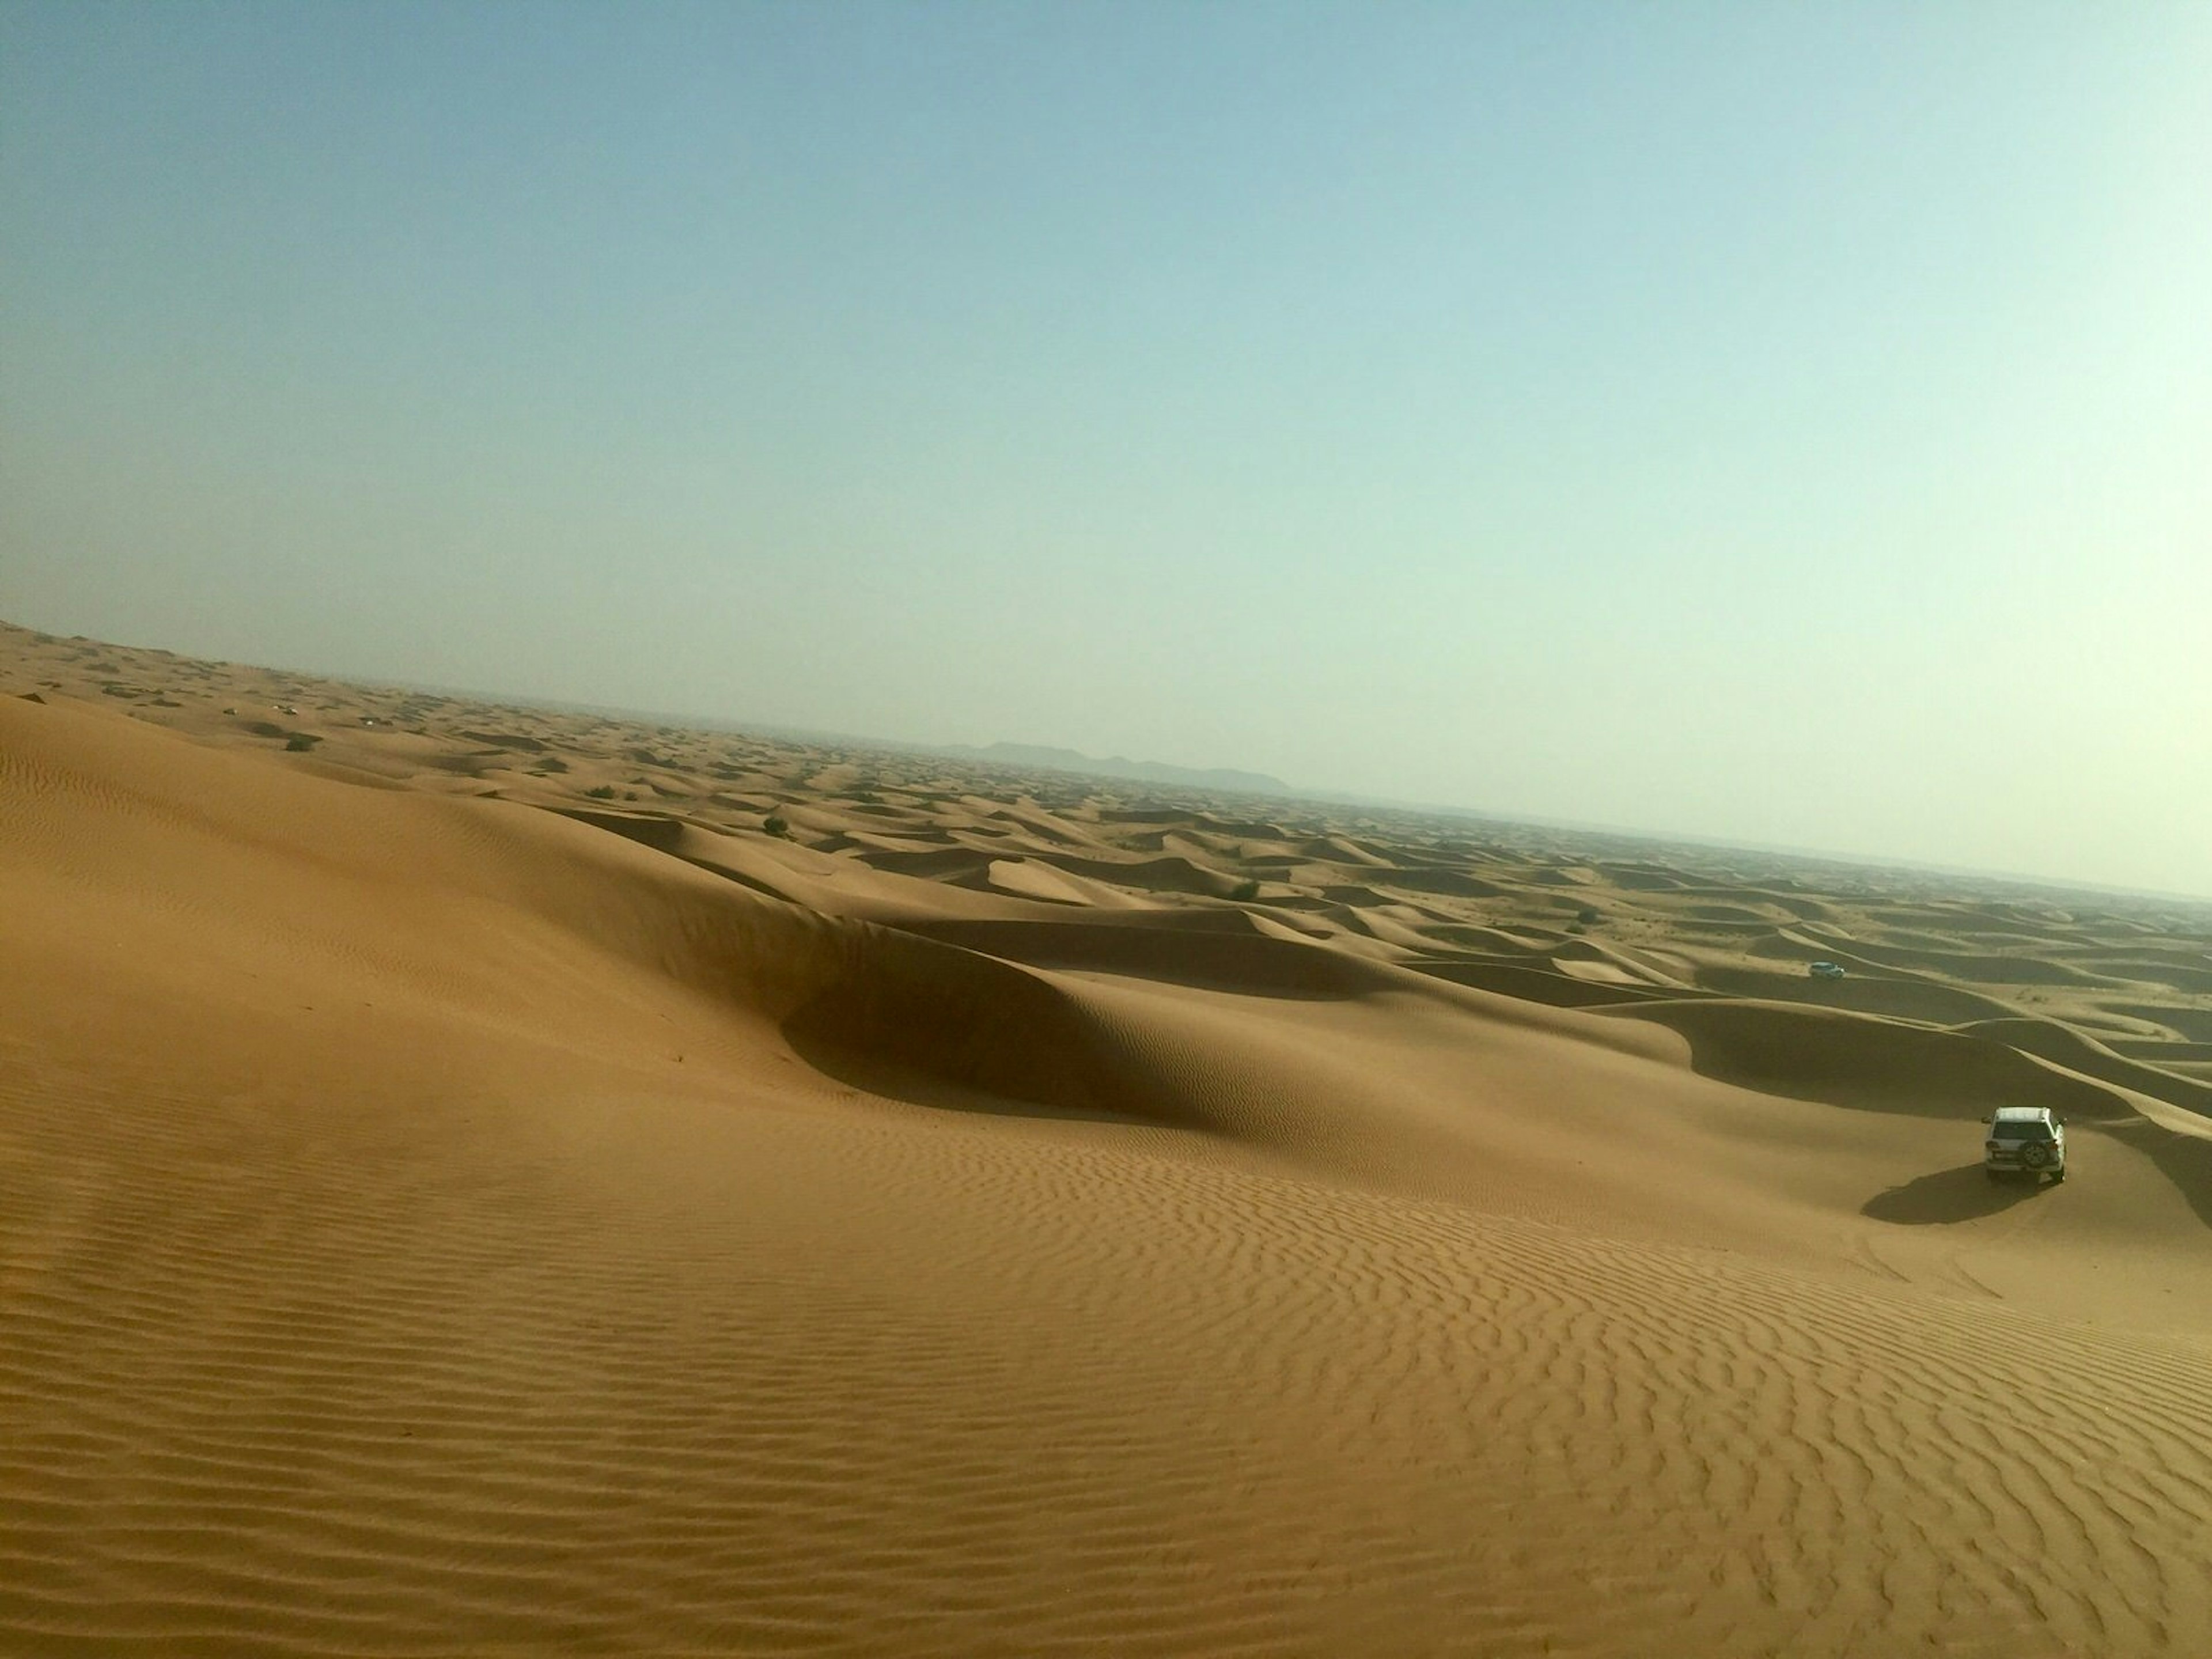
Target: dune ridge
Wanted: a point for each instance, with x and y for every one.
(538, 1205)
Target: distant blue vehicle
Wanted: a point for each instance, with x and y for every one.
(1826, 970)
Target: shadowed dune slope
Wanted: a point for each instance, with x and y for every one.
(2085, 1055)
(1854, 1060)
(438, 1225)
(1927, 1001)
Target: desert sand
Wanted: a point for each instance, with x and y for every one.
(488, 1180)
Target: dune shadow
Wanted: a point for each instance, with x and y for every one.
(2185, 1160)
(1204, 957)
(1965, 1193)
(1867, 1063)
(891, 1080)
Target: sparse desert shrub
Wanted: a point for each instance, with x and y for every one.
(301, 742)
(604, 792)
(1247, 889)
(776, 824)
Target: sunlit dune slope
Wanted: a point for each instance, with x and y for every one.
(437, 1224)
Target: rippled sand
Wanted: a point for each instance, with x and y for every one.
(446, 1210)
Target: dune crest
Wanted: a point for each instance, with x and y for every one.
(488, 1180)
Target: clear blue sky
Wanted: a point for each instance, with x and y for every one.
(1780, 423)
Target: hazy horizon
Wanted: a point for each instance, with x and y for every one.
(1781, 430)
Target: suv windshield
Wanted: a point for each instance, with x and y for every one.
(2021, 1131)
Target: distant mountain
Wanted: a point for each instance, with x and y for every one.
(1019, 755)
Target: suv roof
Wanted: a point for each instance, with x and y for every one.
(2022, 1115)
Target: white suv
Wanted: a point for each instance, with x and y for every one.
(2027, 1140)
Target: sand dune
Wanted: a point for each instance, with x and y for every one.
(468, 1186)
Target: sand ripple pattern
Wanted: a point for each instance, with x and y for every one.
(435, 1226)
(1007, 1394)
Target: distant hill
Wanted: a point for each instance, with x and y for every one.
(1116, 766)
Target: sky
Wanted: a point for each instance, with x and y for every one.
(1783, 424)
